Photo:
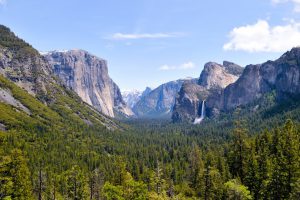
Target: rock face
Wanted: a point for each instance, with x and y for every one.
(282, 75)
(28, 70)
(8, 98)
(216, 76)
(187, 103)
(159, 102)
(88, 76)
(213, 79)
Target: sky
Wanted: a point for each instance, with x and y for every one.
(150, 42)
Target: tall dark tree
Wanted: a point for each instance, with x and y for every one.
(239, 151)
(197, 169)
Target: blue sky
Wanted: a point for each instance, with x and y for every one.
(149, 42)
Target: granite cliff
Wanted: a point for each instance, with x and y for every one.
(87, 75)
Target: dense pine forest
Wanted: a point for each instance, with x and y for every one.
(151, 160)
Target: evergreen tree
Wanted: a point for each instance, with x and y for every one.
(6, 182)
(96, 180)
(158, 180)
(197, 169)
(212, 180)
(252, 177)
(15, 177)
(239, 152)
(236, 191)
(263, 146)
(285, 161)
(112, 192)
(76, 183)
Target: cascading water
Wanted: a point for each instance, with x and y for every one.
(198, 120)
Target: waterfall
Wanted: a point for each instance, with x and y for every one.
(198, 120)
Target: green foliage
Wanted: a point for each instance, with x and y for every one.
(9, 40)
(75, 183)
(236, 191)
(112, 192)
(14, 177)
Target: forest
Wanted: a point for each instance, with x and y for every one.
(151, 160)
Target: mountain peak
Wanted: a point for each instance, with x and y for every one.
(215, 75)
(294, 52)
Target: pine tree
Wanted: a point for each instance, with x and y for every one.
(120, 171)
(212, 180)
(112, 192)
(236, 191)
(263, 148)
(6, 182)
(197, 169)
(251, 179)
(20, 176)
(158, 179)
(285, 161)
(239, 152)
(76, 183)
(96, 181)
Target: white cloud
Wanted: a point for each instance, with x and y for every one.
(296, 3)
(167, 68)
(184, 66)
(261, 37)
(188, 65)
(122, 36)
(2, 2)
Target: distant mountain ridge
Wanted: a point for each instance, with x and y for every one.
(159, 102)
(131, 97)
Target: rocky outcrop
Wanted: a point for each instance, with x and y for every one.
(213, 79)
(7, 98)
(88, 76)
(28, 70)
(282, 76)
(216, 76)
(160, 101)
